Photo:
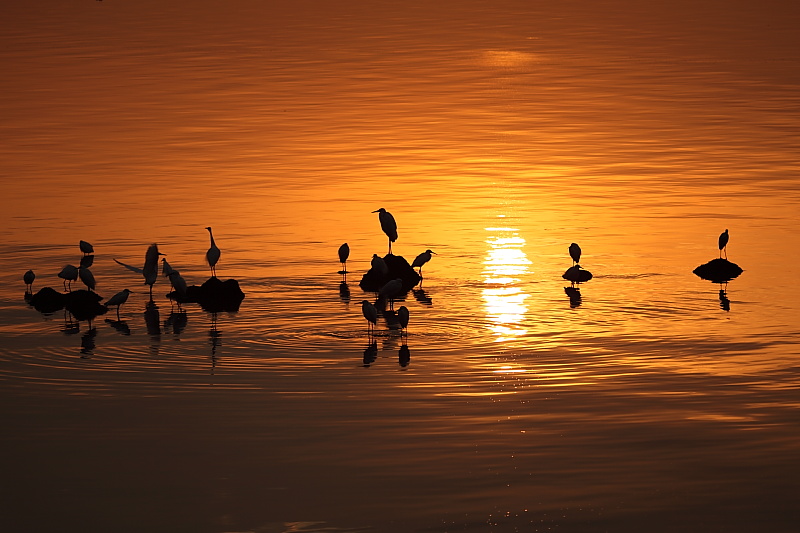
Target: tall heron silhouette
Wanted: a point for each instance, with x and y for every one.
(150, 268)
(69, 274)
(344, 253)
(118, 299)
(388, 225)
(213, 253)
(421, 259)
(575, 253)
(370, 312)
(28, 278)
(723, 243)
(86, 248)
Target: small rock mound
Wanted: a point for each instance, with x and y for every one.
(576, 274)
(214, 295)
(398, 267)
(718, 270)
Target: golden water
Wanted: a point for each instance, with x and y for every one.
(497, 134)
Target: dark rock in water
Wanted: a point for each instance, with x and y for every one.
(398, 267)
(718, 270)
(84, 305)
(576, 274)
(47, 300)
(213, 295)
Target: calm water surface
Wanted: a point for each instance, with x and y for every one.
(497, 134)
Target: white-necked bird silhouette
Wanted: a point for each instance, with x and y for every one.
(344, 253)
(28, 278)
(86, 248)
(370, 312)
(421, 259)
(213, 253)
(178, 283)
(166, 268)
(723, 242)
(388, 225)
(69, 274)
(575, 253)
(118, 299)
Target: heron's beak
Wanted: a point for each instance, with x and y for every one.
(376, 210)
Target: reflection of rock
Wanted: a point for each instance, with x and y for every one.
(576, 274)
(398, 267)
(718, 270)
(47, 300)
(213, 296)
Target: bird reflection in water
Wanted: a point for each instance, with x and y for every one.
(344, 292)
(370, 353)
(87, 343)
(215, 340)
(152, 321)
(71, 326)
(121, 326)
(724, 302)
(422, 297)
(404, 355)
(176, 321)
(574, 294)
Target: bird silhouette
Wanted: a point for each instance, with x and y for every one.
(87, 278)
(118, 299)
(575, 253)
(150, 268)
(388, 225)
(28, 278)
(86, 248)
(213, 253)
(344, 253)
(421, 259)
(178, 283)
(402, 318)
(370, 312)
(723, 243)
(379, 265)
(69, 274)
(166, 268)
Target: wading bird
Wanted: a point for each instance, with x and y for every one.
(402, 317)
(344, 253)
(213, 253)
(421, 259)
(379, 265)
(28, 278)
(178, 283)
(118, 299)
(723, 242)
(370, 312)
(388, 225)
(575, 253)
(69, 274)
(150, 269)
(166, 268)
(86, 248)
(87, 278)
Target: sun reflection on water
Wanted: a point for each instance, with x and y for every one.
(504, 266)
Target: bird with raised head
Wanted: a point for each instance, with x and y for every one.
(213, 253)
(388, 225)
(421, 259)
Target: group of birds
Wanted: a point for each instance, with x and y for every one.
(149, 271)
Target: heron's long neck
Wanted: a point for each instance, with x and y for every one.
(212, 237)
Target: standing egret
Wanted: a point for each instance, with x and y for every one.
(150, 268)
(379, 265)
(166, 268)
(575, 253)
(178, 283)
(388, 225)
(28, 278)
(86, 248)
(402, 317)
(344, 253)
(723, 242)
(118, 299)
(212, 255)
(87, 278)
(69, 274)
(421, 259)
(370, 312)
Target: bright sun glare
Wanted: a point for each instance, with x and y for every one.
(504, 301)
